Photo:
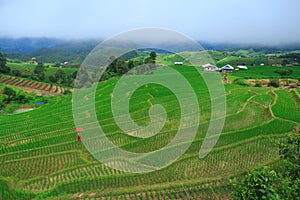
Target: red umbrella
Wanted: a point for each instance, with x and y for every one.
(78, 129)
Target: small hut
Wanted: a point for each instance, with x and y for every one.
(241, 67)
(210, 67)
(178, 63)
(226, 68)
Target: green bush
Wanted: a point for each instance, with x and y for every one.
(16, 72)
(9, 92)
(67, 92)
(265, 183)
(258, 84)
(240, 82)
(257, 184)
(274, 83)
(3, 100)
(286, 72)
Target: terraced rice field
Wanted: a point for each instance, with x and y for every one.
(38, 88)
(41, 158)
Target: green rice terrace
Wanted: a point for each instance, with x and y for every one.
(41, 157)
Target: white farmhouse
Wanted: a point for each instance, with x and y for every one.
(210, 67)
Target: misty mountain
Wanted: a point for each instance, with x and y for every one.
(71, 51)
(229, 46)
(26, 45)
(57, 50)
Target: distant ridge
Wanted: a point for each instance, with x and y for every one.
(58, 50)
(26, 45)
(230, 46)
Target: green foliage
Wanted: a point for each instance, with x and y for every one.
(290, 151)
(40, 71)
(22, 99)
(290, 168)
(274, 83)
(16, 72)
(60, 76)
(151, 58)
(11, 107)
(284, 72)
(131, 64)
(240, 82)
(258, 84)
(148, 60)
(118, 66)
(129, 55)
(153, 55)
(291, 55)
(9, 92)
(3, 68)
(67, 92)
(121, 67)
(257, 184)
(12, 98)
(40, 68)
(52, 79)
(3, 100)
(106, 75)
(267, 184)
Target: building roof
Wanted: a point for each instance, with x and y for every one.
(227, 67)
(208, 65)
(178, 63)
(242, 67)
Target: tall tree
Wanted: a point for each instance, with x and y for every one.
(121, 67)
(9, 92)
(153, 55)
(39, 68)
(112, 66)
(60, 75)
(52, 79)
(130, 64)
(3, 68)
(40, 71)
(151, 58)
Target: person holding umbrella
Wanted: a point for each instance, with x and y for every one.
(78, 132)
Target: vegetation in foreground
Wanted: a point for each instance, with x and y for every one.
(281, 183)
(41, 157)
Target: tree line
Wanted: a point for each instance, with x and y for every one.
(9, 95)
(117, 67)
(59, 77)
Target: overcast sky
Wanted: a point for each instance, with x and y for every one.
(247, 21)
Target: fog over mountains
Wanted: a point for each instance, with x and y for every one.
(53, 49)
